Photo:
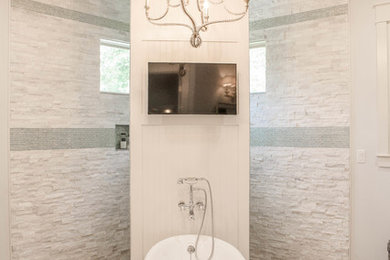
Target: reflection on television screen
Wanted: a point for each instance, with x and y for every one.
(192, 88)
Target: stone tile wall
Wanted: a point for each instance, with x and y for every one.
(300, 174)
(70, 204)
(55, 74)
(299, 203)
(69, 186)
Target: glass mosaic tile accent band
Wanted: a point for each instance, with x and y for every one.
(24, 139)
(310, 137)
(70, 14)
(299, 17)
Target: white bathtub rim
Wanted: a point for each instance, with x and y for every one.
(189, 239)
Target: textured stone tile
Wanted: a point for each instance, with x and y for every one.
(300, 206)
(66, 204)
(70, 204)
(55, 74)
(308, 83)
(70, 14)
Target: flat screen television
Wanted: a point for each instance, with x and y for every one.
(192, 88)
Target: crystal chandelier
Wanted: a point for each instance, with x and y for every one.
(202, 8)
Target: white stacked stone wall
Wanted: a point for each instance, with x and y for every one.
(300, 206)
(66, 203)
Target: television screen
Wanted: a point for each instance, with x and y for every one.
(192, 88)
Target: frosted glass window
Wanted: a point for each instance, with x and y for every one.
(114, 67)
(257, 54)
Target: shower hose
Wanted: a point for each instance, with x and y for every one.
(203, 218)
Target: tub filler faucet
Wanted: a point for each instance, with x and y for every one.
(201, 205)
(191, 205)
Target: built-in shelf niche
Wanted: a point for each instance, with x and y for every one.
(120, 132)
(382, 21)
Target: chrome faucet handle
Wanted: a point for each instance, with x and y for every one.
(200, 205)
(182, 206)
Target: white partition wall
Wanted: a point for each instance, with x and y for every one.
(164, 148)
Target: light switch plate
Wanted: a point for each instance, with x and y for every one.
(361, 156)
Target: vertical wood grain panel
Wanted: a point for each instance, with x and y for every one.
(4, 130)
(171, 152)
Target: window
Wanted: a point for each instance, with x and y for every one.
(114, 67)
(257, 55)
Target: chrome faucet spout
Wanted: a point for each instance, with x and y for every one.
(188, 180)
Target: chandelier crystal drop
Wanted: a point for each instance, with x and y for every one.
(203, 15)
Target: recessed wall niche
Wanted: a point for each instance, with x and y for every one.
(121, 136)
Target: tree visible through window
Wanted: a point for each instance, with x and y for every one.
(257, 55)
(114, 67)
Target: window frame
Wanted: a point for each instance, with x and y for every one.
(114, 44)
(253, 45)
